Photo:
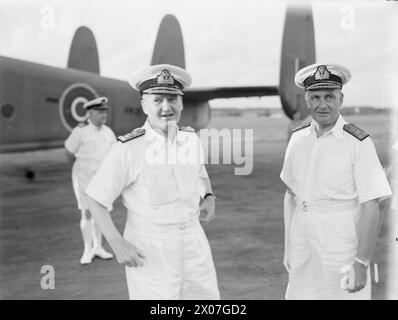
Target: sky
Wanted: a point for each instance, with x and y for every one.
(227, 43)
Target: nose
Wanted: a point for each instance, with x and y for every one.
(322, 103)
(165, 105)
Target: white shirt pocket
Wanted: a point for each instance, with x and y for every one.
(157, 185)
(188, 179)
(336, 172)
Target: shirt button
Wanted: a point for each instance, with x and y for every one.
(182, 227)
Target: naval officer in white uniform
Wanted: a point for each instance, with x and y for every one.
(158, 169)
(334, 183)
(87, 146)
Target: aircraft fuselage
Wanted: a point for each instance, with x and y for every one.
(40, 104)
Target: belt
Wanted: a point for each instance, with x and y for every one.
(144, 227)
(326, 206)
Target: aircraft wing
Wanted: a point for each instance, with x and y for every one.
(204, 94)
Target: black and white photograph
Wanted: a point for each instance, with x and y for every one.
(198, 150)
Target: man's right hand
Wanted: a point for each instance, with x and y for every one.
(128, 254)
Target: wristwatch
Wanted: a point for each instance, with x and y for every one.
(208, 195)
(364, 263)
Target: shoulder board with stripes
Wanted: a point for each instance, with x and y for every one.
(301, 127)
(186, 129)
(131, 135)
(82, 124)
(355, 131)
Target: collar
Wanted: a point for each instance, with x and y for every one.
(181, 136)
(152, 134)
(94, 127)
(310, 130)
(337, 130)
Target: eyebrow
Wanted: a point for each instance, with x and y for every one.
(164, 95)
(331, 94)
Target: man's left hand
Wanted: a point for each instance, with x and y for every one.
(207, 209)
(360, 272)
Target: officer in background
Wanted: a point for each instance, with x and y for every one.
(87, 146)
(334, 184)
(158, 169)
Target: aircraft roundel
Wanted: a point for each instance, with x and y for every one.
(71, 104)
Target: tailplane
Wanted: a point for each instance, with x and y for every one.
(298, 50)
(169, 45)
(83, 54)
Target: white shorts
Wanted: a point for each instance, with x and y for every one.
(81, 177)
(178, 262)
(320, 244)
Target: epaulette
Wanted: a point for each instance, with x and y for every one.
(82, 124)
(131, 135)
(186, 129)
(301, 127)
(355, 131)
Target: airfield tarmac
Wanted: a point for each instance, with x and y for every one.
(39, 222)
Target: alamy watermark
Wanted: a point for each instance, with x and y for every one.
(47, 21)
(347, 21)
(48, 279)
(225, 146)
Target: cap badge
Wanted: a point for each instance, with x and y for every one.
(322, 73)
(165, 78)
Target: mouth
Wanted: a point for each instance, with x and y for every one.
(167, 115)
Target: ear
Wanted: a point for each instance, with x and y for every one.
(341, 98)
(144, 106)
(306, 97)
(181, 102)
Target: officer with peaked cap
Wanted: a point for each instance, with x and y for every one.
(334, 183)
(158, 169)
(87, 146)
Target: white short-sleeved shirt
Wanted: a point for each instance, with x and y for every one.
(164, 187)
(335, 166)
(90, 144)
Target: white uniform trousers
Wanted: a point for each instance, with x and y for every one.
(322, 240)
(178, 262)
